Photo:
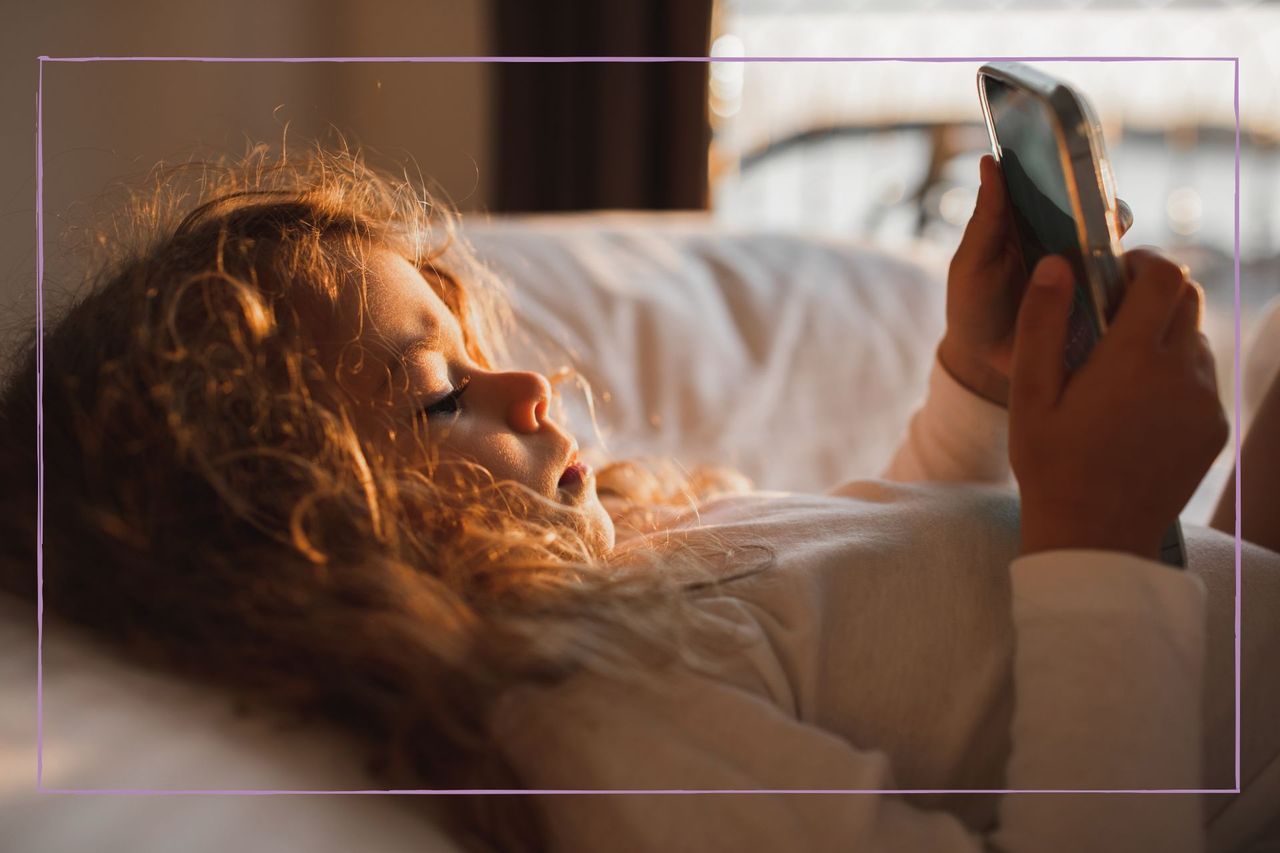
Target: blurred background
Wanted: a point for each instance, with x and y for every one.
(888, 151)
(885, 152)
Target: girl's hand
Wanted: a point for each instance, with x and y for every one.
(985, 284)
(1108, 458)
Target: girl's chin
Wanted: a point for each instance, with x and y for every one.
(585, 514)
(600, 530)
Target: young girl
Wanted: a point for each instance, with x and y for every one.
(285, 456)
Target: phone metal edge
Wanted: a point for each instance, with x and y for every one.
(1104, 266)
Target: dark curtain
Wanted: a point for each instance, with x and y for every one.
(582, 136)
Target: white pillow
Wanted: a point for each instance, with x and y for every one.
(112, 725)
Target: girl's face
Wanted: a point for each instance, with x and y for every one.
(416, 366)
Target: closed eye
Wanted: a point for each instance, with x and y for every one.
(448, 404)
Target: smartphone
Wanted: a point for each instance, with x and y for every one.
(1049, 144)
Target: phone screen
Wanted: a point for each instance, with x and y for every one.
(1027, 149)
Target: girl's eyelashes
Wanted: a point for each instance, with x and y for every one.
(448, 404)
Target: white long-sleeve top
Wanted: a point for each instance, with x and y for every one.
(902, 644)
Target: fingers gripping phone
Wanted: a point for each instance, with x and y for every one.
(1050, 148)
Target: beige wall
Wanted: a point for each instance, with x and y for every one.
(108, 121)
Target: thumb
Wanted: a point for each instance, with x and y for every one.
(985, 236)
(1041, 337)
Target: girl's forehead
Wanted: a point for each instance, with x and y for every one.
(395, 289)
(398, 305)
(387, 309)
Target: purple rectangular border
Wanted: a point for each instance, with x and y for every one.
(40, 788)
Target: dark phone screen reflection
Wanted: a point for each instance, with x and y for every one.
(1029, 159)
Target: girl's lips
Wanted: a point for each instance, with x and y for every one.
(574, 475)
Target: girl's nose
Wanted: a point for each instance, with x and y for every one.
(528, 397)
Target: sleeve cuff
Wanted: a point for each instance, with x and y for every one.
(1077, 577)
(1109, 659)
(953, 396)
(955, 436)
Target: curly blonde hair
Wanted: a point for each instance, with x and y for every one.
(219, 517)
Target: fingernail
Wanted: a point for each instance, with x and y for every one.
(1124, 214)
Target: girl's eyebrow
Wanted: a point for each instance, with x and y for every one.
(430, 341)
(403, 353)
